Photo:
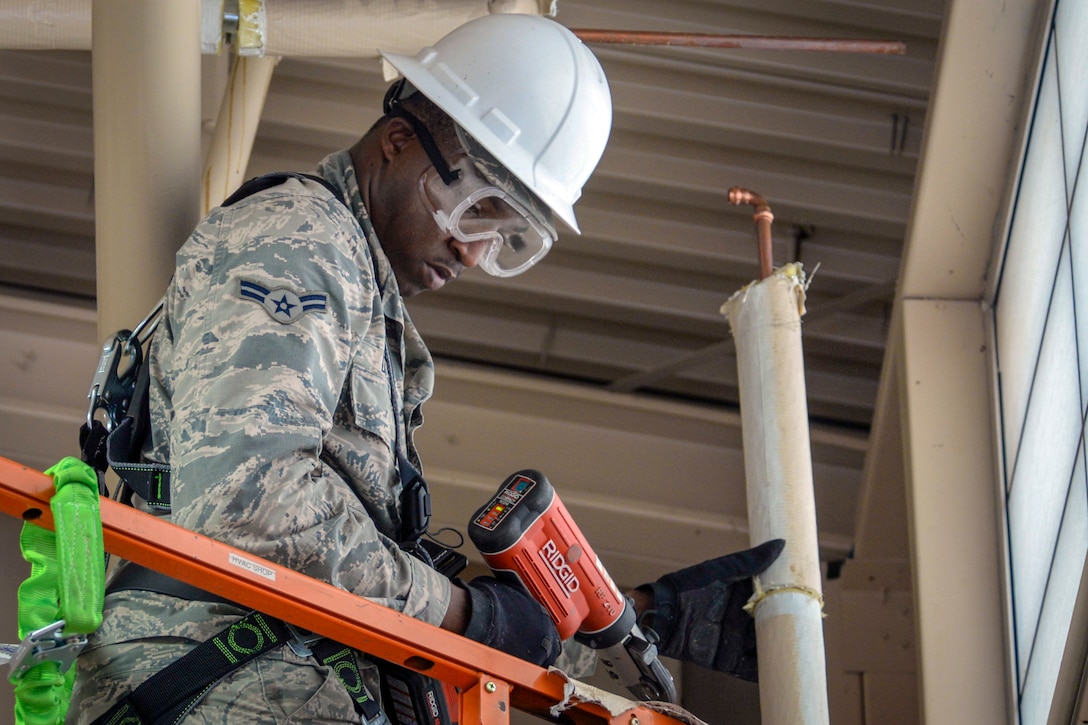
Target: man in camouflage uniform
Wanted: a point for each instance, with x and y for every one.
(287, 377)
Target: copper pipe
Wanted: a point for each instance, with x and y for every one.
(763, 218)
(750, 42)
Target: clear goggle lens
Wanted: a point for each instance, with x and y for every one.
(472, 210)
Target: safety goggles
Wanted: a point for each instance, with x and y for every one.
(472, 209)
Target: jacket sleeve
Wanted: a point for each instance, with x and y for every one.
(271, 310)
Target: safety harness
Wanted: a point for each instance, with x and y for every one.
(117, 426)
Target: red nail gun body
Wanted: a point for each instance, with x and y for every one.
(525, 532)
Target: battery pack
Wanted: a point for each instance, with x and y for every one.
(410, 698)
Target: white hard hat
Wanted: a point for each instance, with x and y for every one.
(529, 92)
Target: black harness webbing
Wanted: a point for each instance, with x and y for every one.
(260, 183)
(169, 694)
(123, 447)
(173, 691)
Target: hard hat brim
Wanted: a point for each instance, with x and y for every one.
(424, 81)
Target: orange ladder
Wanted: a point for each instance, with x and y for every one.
(486, 696)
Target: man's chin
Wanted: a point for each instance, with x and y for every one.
(426, 279)
(434, 278)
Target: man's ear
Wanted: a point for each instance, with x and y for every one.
(396, 134)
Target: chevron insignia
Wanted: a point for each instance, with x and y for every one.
(282, 304)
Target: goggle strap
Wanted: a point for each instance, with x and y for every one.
(426, 140)
(393, 94)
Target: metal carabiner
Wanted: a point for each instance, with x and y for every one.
(301, 640)
(110, 390)
(48, 644)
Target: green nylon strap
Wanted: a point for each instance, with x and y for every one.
(67, 581)
(78, 522)
(41, 695)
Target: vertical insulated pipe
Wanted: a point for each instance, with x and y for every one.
(235, 129)
(765, 318)
(146, 81)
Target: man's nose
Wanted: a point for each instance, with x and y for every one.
(470, 253)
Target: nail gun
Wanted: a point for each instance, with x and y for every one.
(526, 533)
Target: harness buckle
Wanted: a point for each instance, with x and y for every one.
(48, 644)
(301, 640)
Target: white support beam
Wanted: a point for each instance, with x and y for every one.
(146, 78)
(938, 365)
(983, 90)
(954, 515)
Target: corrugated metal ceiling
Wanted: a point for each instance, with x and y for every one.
(831, 139)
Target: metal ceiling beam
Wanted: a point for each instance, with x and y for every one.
(33, 261)
(720, 118)
(708, 354)
(644, 87)
(725, 347)
(559, 345)
(922, 18)
(28, 140)
(48, 78)
(46, 205)
(839, 199)
(846, 71)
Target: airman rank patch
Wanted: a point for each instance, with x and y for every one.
(282, 304)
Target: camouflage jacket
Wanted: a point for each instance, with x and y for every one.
(271, 406)
(269, 399)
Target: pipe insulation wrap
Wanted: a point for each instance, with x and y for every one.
(252, 28)
(790, 625)
(320, 28)
(765, 318)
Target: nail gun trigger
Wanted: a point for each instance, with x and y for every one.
(655, 680)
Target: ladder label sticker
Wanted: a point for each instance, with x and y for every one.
(251, 566)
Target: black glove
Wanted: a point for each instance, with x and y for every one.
(506, 617)
(698, 612)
